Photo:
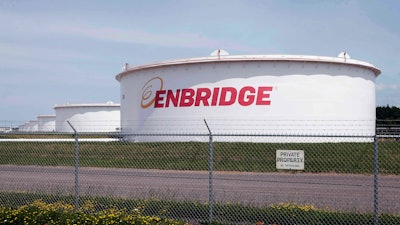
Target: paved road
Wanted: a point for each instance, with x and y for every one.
(336, 191)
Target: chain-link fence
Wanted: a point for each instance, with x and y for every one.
(229, 179)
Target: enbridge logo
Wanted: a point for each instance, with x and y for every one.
(154, 95)
(149, 90)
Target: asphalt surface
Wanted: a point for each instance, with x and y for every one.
(333, 191)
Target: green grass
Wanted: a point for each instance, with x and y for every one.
(234, 156)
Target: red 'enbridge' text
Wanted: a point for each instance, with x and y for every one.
(218, 96)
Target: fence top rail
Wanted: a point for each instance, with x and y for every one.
(119, 135)
(249, 135)
(388, 136)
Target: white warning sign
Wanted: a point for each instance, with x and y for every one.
(290, 159)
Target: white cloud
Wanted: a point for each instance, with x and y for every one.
(175, 40)
(381, 86)
(37, 27)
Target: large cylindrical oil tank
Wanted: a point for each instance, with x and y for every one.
(23, 127)
(97, 117)
(46, 123)
(250, 94)
(31, 126)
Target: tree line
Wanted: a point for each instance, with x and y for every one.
(388, 115)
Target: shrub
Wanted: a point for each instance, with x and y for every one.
(39, 212)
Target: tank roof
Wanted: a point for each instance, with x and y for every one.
(246, 58)
(85, 105)
(45, 116)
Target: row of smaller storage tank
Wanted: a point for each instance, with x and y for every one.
(99, 117)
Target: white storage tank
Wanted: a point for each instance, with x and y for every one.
(22, 128)
(46, 123)
(98, 117)
(31, 126)
(250, 94)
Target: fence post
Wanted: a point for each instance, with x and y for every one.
(376, 172)
(76, 166)
(210, 177)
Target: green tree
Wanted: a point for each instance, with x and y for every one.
(386, 115)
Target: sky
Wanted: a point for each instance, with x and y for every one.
(54, 52)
